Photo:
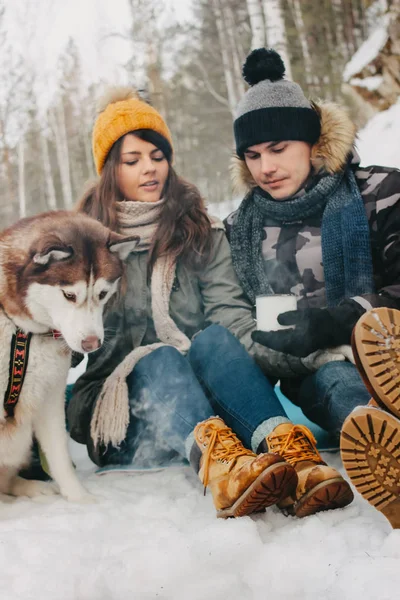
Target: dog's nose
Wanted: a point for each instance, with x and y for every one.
(90, 343)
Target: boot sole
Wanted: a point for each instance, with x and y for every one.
(327, 495)
(273, 484)
(376, 348)
(370, 450)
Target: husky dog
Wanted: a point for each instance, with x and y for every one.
(57, 272)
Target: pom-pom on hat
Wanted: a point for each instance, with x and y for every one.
(273, 109)
(120, 111)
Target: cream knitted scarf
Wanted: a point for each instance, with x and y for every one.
(139, 218)
(111, 415)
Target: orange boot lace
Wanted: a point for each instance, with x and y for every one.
(295, 446)
(221, 445)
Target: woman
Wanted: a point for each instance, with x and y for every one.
(173, 359)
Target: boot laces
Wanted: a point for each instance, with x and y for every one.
(295, 446)
(222, 445)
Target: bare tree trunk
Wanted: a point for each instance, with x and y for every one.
(87, 116)
(328, 80)
(257, 23)
(221, 99)
(154, 76)
(342, 45)
(358, 10)
(88, 156)
(21, 178)
(237, 60)
(350, 24)
(295, 7)
(6, 161)
(66, 162)
(233, 97)
(276, 31)
(57, 122)
(51, 193)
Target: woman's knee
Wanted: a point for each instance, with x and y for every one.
(163, 359)
(157, 367)
(214, 338)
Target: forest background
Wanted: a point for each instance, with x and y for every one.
(187, 62)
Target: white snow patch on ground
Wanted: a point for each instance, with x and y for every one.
(155, 535)
(379, 142)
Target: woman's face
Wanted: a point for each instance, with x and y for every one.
(142, 170)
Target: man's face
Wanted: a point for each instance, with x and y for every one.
(279, 168)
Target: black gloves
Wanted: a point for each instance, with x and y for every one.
(314, 329)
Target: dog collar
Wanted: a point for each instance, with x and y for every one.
(18, 363)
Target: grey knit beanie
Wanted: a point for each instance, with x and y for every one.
(273, 109)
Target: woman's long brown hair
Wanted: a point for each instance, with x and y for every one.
(184, 229)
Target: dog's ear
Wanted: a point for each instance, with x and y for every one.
(122, 245)
(53, 254)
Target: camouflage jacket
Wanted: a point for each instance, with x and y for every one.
(293, 253)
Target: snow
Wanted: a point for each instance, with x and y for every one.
(368, 50)
(155, 535)
(370, 83)
(379, 141)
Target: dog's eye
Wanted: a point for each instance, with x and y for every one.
(102, 295)
(70, 296)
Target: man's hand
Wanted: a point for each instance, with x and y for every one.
(313, 329)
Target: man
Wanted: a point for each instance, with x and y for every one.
(315, 224)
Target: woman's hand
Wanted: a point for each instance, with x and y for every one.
(312, 329)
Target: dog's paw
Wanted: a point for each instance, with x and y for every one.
(32, 488)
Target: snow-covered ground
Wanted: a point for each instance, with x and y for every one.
(155, 535)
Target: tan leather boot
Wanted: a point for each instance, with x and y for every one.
(319, 487)
(370, 436)
(369, 445)
(240, 481)
(376, 349)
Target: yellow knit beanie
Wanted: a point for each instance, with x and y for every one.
(121, 110)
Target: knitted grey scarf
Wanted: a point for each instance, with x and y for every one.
(346, 248)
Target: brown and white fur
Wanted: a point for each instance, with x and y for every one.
(57, 272)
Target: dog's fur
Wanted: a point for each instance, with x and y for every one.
(42, 259)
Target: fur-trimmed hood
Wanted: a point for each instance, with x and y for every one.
(328, 154)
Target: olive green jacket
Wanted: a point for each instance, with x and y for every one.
(212, 295)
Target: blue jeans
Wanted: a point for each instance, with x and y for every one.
(170, 394)
(328, 396)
